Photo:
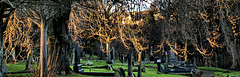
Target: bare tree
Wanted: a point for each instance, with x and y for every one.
(96, 19)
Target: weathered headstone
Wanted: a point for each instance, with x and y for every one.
(173, 57)
(110, 67)
(166, 60)
(101, 55)
(113, 54)
(5, 68)
(151, 54)
(119, 73)
(77, 66)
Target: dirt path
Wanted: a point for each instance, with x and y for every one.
(207, 73)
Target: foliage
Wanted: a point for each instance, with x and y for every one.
(150, 19)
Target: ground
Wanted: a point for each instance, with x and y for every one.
(150, 72)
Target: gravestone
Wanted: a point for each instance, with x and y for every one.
(159, 65)
(151, 58)
(5, 68)
(77, 66)
(166, 59)
(173, 59)
(119, 73)
(151, 54)
(102, 55)
(109, 67)
(113, 54)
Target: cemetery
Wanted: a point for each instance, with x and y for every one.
(119, 38)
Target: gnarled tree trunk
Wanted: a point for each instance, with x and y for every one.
(230, 44)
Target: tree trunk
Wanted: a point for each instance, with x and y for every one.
(1, 51)
(130, 62)
(1, 38)
(140, 65)
(139, 57)
(43, 51)
(29, 60)
(230, 45)
(108, 53)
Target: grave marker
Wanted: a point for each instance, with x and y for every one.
(77, 66)
(5, 68)
(151, 54)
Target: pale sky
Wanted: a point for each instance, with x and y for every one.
(144, 5)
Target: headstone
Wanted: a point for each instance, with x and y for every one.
(151, 58)
(173, 57)
(155, 60)
(146, 59)
(143, 69)
(159, 65)
(119, 73)
(110, 67)
(113, 54)
(151, 54)
(5, 68)
(101, 55)
(77, 66)
(166, 60)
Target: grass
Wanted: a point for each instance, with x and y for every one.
(19, 66)
(149, 71)
(212, 69)
(219, 72)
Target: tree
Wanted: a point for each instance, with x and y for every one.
(96, 20)
(4, 4)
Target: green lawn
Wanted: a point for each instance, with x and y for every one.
(149, 71)
(219, 72)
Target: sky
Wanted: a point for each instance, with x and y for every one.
(134, 4)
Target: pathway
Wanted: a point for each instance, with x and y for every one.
(207, 73)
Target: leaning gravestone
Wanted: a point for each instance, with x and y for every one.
(5, 68)
(119, 73)
(109, 67)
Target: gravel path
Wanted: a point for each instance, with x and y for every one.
(207, 73)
